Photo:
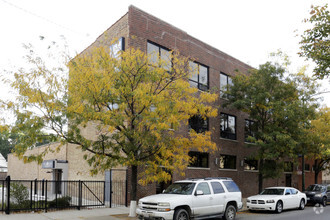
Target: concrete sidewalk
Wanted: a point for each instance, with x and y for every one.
(91, 214)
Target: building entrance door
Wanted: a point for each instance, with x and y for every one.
(58, 181)
(288, 180)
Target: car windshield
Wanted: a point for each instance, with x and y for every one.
(272, 192)
(180, 188)
(315, 188)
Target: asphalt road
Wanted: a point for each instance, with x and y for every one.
(309, 213)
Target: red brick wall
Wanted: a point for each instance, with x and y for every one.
(143, 27)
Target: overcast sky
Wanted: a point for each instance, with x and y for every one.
(245, 29)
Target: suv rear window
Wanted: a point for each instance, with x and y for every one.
(217, 188)
(231, 186)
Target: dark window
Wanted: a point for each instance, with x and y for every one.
(249, 129)
(288, 166)
(199, 159)
(159, 55)
(199, 76)
(307, 167)
(217, 187)
(204, 187)
(231, 186)
(116, 47)
(250, 164)
(225, 81)
(227, 162)
(199, 124)
(227, 126)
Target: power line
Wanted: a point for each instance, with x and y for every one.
(42, 18)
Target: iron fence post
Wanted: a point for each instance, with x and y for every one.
(43, 187)
(7, 211)
(56, 185)
(46, 198)
(31, 194)
(110, 182)
(126, 190)
(80, 195)
(104, 192)
(3, 195)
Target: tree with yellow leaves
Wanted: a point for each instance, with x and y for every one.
(136, 107)
(319, 141)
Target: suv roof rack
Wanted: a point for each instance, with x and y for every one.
(218, 178)
(209, 178)
(194, 179)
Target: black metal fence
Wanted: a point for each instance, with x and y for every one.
(34, 195)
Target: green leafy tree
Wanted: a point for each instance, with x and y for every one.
(134, 106)
(315, 43)
(271, 102)
(307, 91)
(7, 143)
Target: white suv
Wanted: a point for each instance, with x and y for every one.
(193, 198)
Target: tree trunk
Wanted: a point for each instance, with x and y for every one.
(303, 172)
(316, 171)
(133, 191)
(260, 176)
(134, 183)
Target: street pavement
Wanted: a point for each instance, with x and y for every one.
(121, 213)
(309, 213)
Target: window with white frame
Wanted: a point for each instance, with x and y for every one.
(116, 47)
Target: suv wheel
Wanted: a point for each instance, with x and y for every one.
(279, 207)
(302, 204)
(230, 213)
(324, 202)
(181, 214)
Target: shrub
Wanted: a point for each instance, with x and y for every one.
(19, 196)
(62, 202)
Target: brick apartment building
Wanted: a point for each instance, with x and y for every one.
(141, 30)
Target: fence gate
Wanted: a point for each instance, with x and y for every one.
(34, 195)
(2, 195)
(116, 187)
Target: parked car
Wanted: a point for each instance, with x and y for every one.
(318, 193)
(193, 198)
(277, 199)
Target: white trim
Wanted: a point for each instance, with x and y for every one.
(220, 169)
(252, 171)
(198, 168)
(227, 139)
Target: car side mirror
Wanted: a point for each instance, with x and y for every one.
(287, 193)
(199, 193)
